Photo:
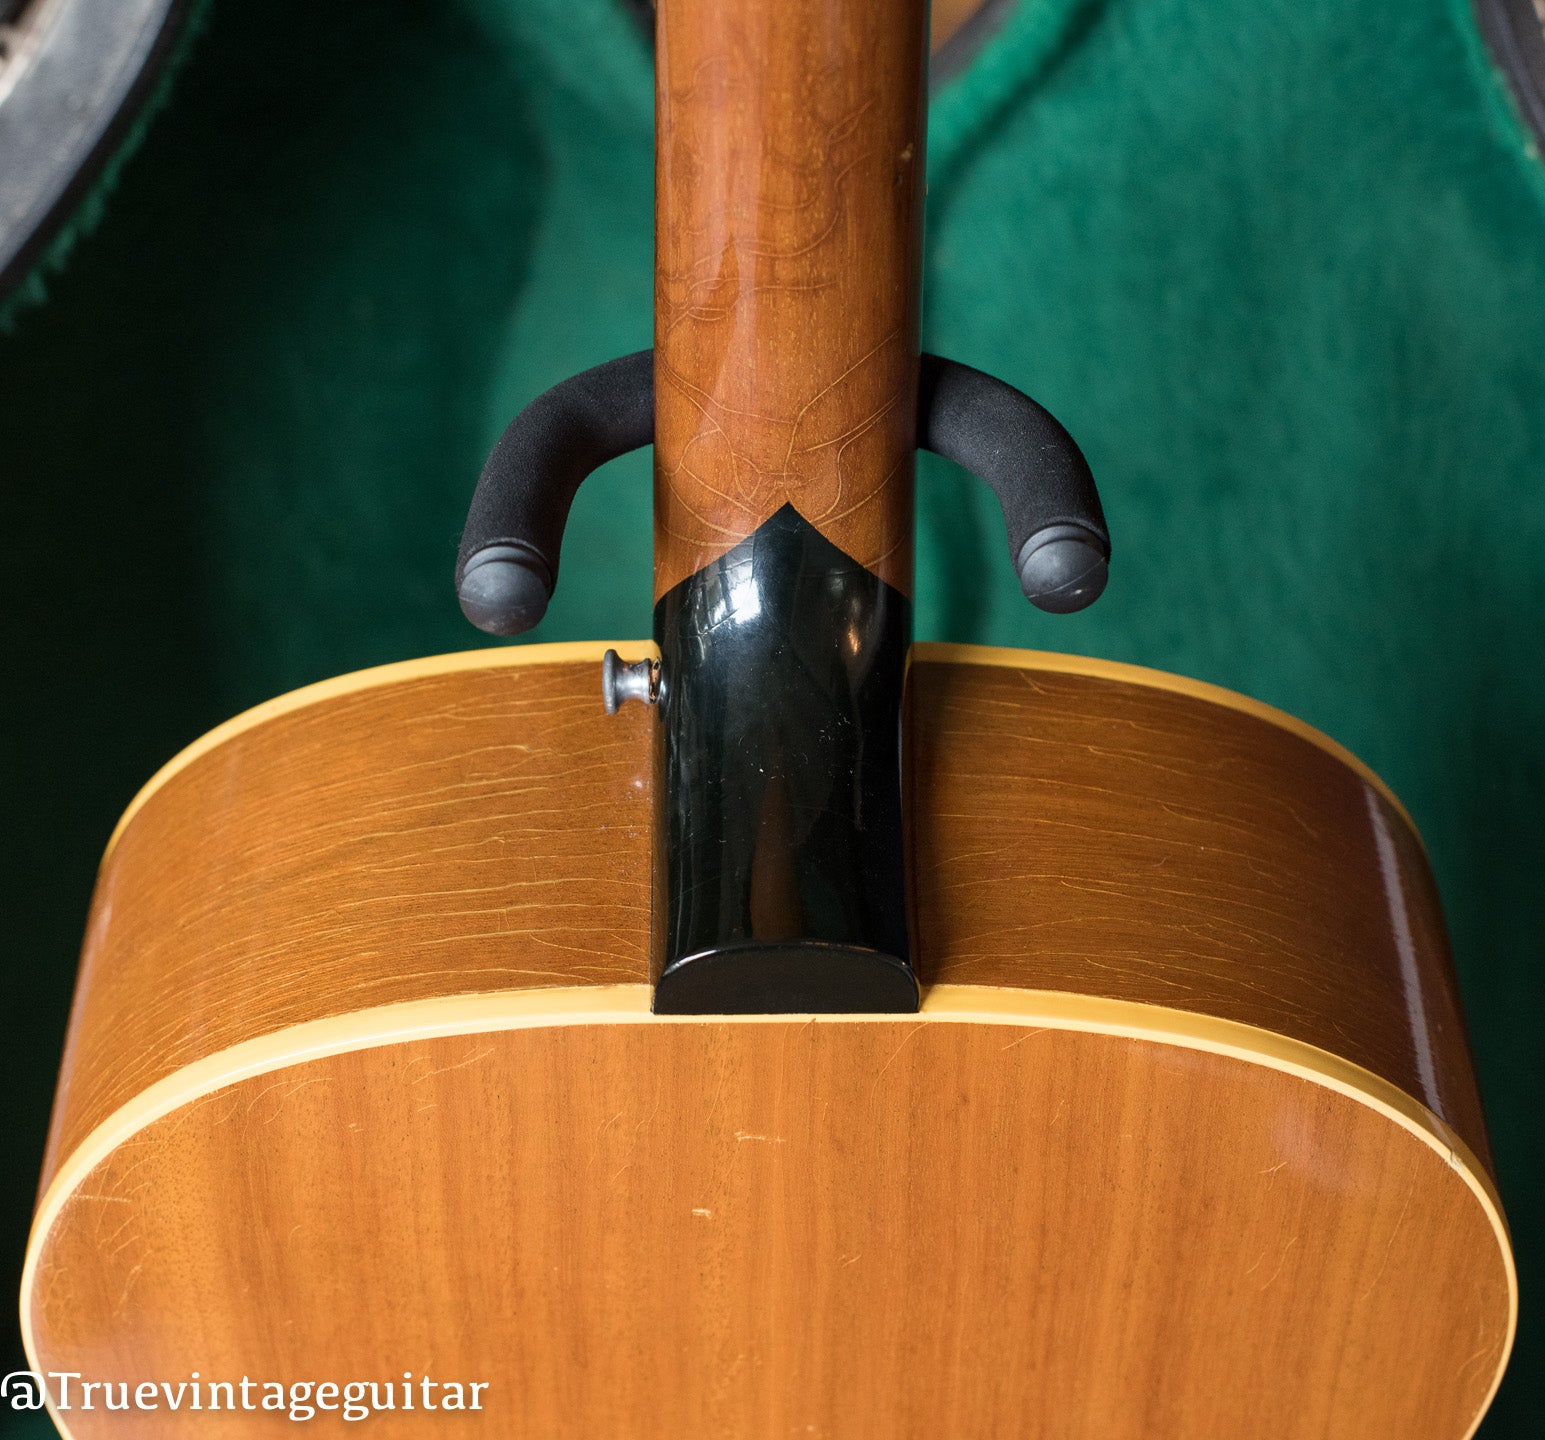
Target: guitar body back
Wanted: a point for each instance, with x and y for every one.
(363, 1085)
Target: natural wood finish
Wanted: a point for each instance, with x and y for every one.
(458, 831)
(788, 223)
(1214, 1166)
(1073, 834)
(451, 831)
(905, 1228)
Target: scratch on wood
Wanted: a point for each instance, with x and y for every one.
(1281, 1261)
(472, 1059)
(915, 1030)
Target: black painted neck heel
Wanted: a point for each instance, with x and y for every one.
(784, 978)
(780, 884)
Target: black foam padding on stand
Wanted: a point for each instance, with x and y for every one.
(1057, 536)
(508, 562)
(507, 566)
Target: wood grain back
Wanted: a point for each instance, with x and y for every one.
(1074, 831)
(651, 1229)
(788, 227)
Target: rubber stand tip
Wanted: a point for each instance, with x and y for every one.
(504, 590)
(1063, 568)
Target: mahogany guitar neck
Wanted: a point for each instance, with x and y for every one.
(789, 165)
(788, 227)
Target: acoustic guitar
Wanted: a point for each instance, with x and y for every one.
(776, 1029)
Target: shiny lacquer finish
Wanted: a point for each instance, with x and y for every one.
(782, 873)
(1183, 1142)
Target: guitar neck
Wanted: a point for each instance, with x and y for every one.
(788, 223)
(788, 226)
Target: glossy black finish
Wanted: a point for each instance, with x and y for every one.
(782, 877)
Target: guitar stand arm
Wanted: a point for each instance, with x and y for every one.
(508, 562)
(507, 566)
(1056, 528)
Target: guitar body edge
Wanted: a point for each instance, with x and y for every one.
(1185, 1138)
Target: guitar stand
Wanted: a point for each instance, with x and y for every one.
(507, 566)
